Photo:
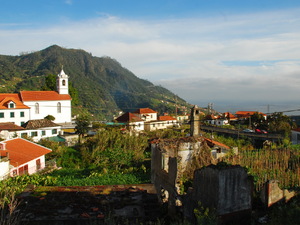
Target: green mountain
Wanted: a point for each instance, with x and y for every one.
(104, 87)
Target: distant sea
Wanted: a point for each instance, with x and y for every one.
(288, 108)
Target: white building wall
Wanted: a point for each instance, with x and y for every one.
(147, 116)
(50, 108)
(4, 169)
(137, 126)
(17, 119)
(32, 167)
(38, 134)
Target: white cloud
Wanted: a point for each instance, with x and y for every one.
(189, 55)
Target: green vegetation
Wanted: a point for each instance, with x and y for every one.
(99, 85)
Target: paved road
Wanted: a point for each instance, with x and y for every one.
(240, 132)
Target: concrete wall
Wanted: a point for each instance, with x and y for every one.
(227, 190)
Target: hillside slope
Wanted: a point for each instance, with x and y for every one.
(104, 86)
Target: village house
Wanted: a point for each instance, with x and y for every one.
(24, 157)
(132, 121)
(146, 119)
(42, 128)
(146, 114)
(34, 129)
(32, 105)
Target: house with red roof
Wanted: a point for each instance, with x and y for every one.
(146, 114)
(32, 105)
(12, 109)
(25, 157)
(147, 119)
(132, 121)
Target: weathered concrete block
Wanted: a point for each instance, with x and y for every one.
(271, 193)
(225, 189)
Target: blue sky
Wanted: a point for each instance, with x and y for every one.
(220, 51)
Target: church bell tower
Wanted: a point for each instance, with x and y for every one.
(62, 83)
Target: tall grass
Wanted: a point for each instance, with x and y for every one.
(281, 164)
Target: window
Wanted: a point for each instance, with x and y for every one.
(37, 108)
(64, 82)
(12, 114)
(22, 114)
(34, 134)
(24, 135)
(43, 132)
(54, 131)
(58, 107)
(22, 122)
(2, 115)
(11, 105)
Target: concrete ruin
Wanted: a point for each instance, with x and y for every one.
(169, 159)
(225, 189)
(271, 193)
(195, 121)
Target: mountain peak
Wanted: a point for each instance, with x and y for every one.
(104, 86)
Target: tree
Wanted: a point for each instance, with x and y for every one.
(279, 123)
(82, 125)
(50, 83)
(258, 121)
(50, 117)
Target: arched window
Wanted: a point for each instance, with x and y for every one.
(58, 107)
(37, 108)
(64, 82)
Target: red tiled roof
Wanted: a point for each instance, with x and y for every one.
(231, 116)
(212, 143)
(144, 110)
(128, 117)
(247, 113)
(10, 126)
(22, 151)
(6, 98)
(43, 96)
(166, 118)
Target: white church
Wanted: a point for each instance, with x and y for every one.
(34, 105)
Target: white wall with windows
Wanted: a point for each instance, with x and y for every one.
(17, 116)
(61, 110)
(38, 134)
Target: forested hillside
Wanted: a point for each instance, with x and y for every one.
(104, 86)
